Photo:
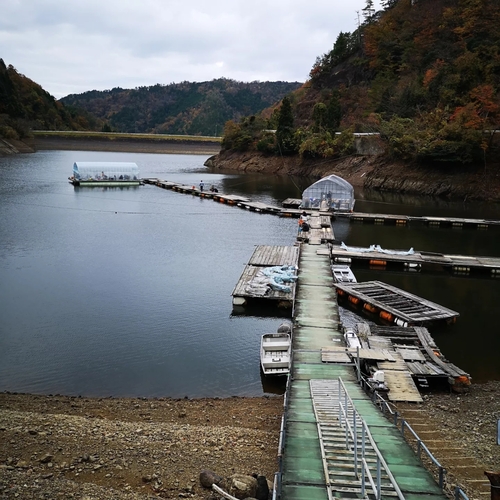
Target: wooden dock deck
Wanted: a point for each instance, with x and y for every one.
(422, 358)
(253, 285)
(393, 304)
(320, 230)
(460, 265)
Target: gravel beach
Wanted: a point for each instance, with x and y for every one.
(86, 448)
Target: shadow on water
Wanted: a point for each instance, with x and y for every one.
(273, 385)
(262, 310)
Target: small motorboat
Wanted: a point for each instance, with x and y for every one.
(351, 339)
(276, 351)
(343, 274)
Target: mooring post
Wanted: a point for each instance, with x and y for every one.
(494, 478)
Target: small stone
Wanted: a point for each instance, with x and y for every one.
(46, 458)
(208, 478)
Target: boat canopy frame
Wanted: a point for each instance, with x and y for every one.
(331, 193)
(105, 170)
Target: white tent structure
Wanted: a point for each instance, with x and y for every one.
(101, 173)
(331, 193)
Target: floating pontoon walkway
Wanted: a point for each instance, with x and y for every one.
(404, 220)
(239, 201)
(290, 208)
(321, 449)
(460, 265)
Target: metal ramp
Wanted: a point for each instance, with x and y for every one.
(353, 466)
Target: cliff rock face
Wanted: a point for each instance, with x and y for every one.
(374, 172)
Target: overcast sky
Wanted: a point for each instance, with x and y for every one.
(71, 46)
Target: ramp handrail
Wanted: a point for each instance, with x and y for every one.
(386, 408)
(344, 407)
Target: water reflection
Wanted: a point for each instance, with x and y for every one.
(372, 201)
(161, 323)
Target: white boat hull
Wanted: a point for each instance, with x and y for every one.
(275, 353)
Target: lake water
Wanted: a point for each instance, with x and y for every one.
(127, 291)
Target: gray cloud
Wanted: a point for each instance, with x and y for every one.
(78, 45)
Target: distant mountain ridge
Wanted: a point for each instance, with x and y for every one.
(180, 108)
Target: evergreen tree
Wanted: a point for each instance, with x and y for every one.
(285, 130)
(368, 10)
(333, 114)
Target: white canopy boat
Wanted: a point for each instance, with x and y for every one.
(276, 352)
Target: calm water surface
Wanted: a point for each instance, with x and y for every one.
(127, 292)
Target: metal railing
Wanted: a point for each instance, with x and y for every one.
(460, 494)
(346, 405)
(281, 443)
(421, 446)
(386, 409)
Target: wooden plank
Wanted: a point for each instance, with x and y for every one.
(401, 387)
(265, 255)
(373, 354)
(335, 355)
(449, 368)
(425, 369)
(410, 353)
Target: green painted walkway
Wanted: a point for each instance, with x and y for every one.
(316, 319)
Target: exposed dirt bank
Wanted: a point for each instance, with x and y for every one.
(101, 449)
(375, 172)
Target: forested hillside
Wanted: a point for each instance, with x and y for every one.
(25, 106)
(184, 108)
(425, 74)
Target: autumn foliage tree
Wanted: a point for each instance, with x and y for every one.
(425, 74)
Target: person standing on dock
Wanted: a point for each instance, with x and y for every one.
(201, 186)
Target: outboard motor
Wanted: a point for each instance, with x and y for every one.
(285, 328)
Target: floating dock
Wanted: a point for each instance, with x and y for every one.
(461, 265)
(325, 405)
(291, 208)
(404, 220)
(236, 200)
(320, 230)
(393, 304)
(416, 347)
(252, 284)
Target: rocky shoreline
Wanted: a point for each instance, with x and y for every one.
(89, 448)
(367, 171)
(69, 447)
(375, 172)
